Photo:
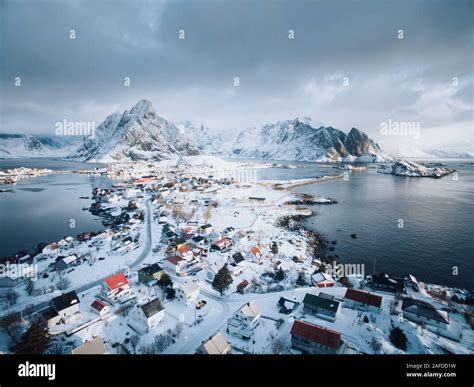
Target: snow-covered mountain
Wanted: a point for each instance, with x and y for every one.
(298, 140)
(206, 141)
(137, 134)
(408, 152)
(13, 146)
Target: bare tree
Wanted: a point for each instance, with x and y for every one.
(134, 341)
(63, 283)
(207, 214)
(11, 324)
(278, 346)
(12, 296)
(30, 286)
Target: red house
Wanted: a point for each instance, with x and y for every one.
(365, 300)
(314, 339)
(116, 288)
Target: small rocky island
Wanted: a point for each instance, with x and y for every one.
(412, 169)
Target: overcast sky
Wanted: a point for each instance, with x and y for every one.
(82, 79)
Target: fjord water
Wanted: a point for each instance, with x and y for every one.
(41, 208)
(437, 216)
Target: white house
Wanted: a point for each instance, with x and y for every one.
(187, 293)
(64, 308)
(146, 317)
(100, 308)
(92, 347)
(15, 274)
(116, 289)
(243, 322)
(216, 345)
(255, 254)
(322, 280)
(175, 265)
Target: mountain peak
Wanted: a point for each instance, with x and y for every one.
(142, 107)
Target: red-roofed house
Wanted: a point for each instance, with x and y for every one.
(358, 299)
(185, 252)
(116, 289)
(255, 254)
(313, 339)
(175, 265)
(100, 308)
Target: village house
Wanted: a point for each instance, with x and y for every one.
(175, 265)
(322, 280)
(62, 309)
(52, 249)
(144, 318)
(255, 254)
(243, 287)
(216, 345)
(184, 252)
(229, 232)
(199, 240)
(358, 299)
(286, 306)
(100, 308)
(223, 244)
(424, 313)
(314, 339)
(411, 282)
(322, 307)
(187, 293)
(64, 263)
(150, 273)
(92, 347)
(116, 289)
(205, 229)
(15, 274)
(238, 258)
(383, 282)
(244, 322)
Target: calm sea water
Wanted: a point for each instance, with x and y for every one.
(437, 216)
(40, 209)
